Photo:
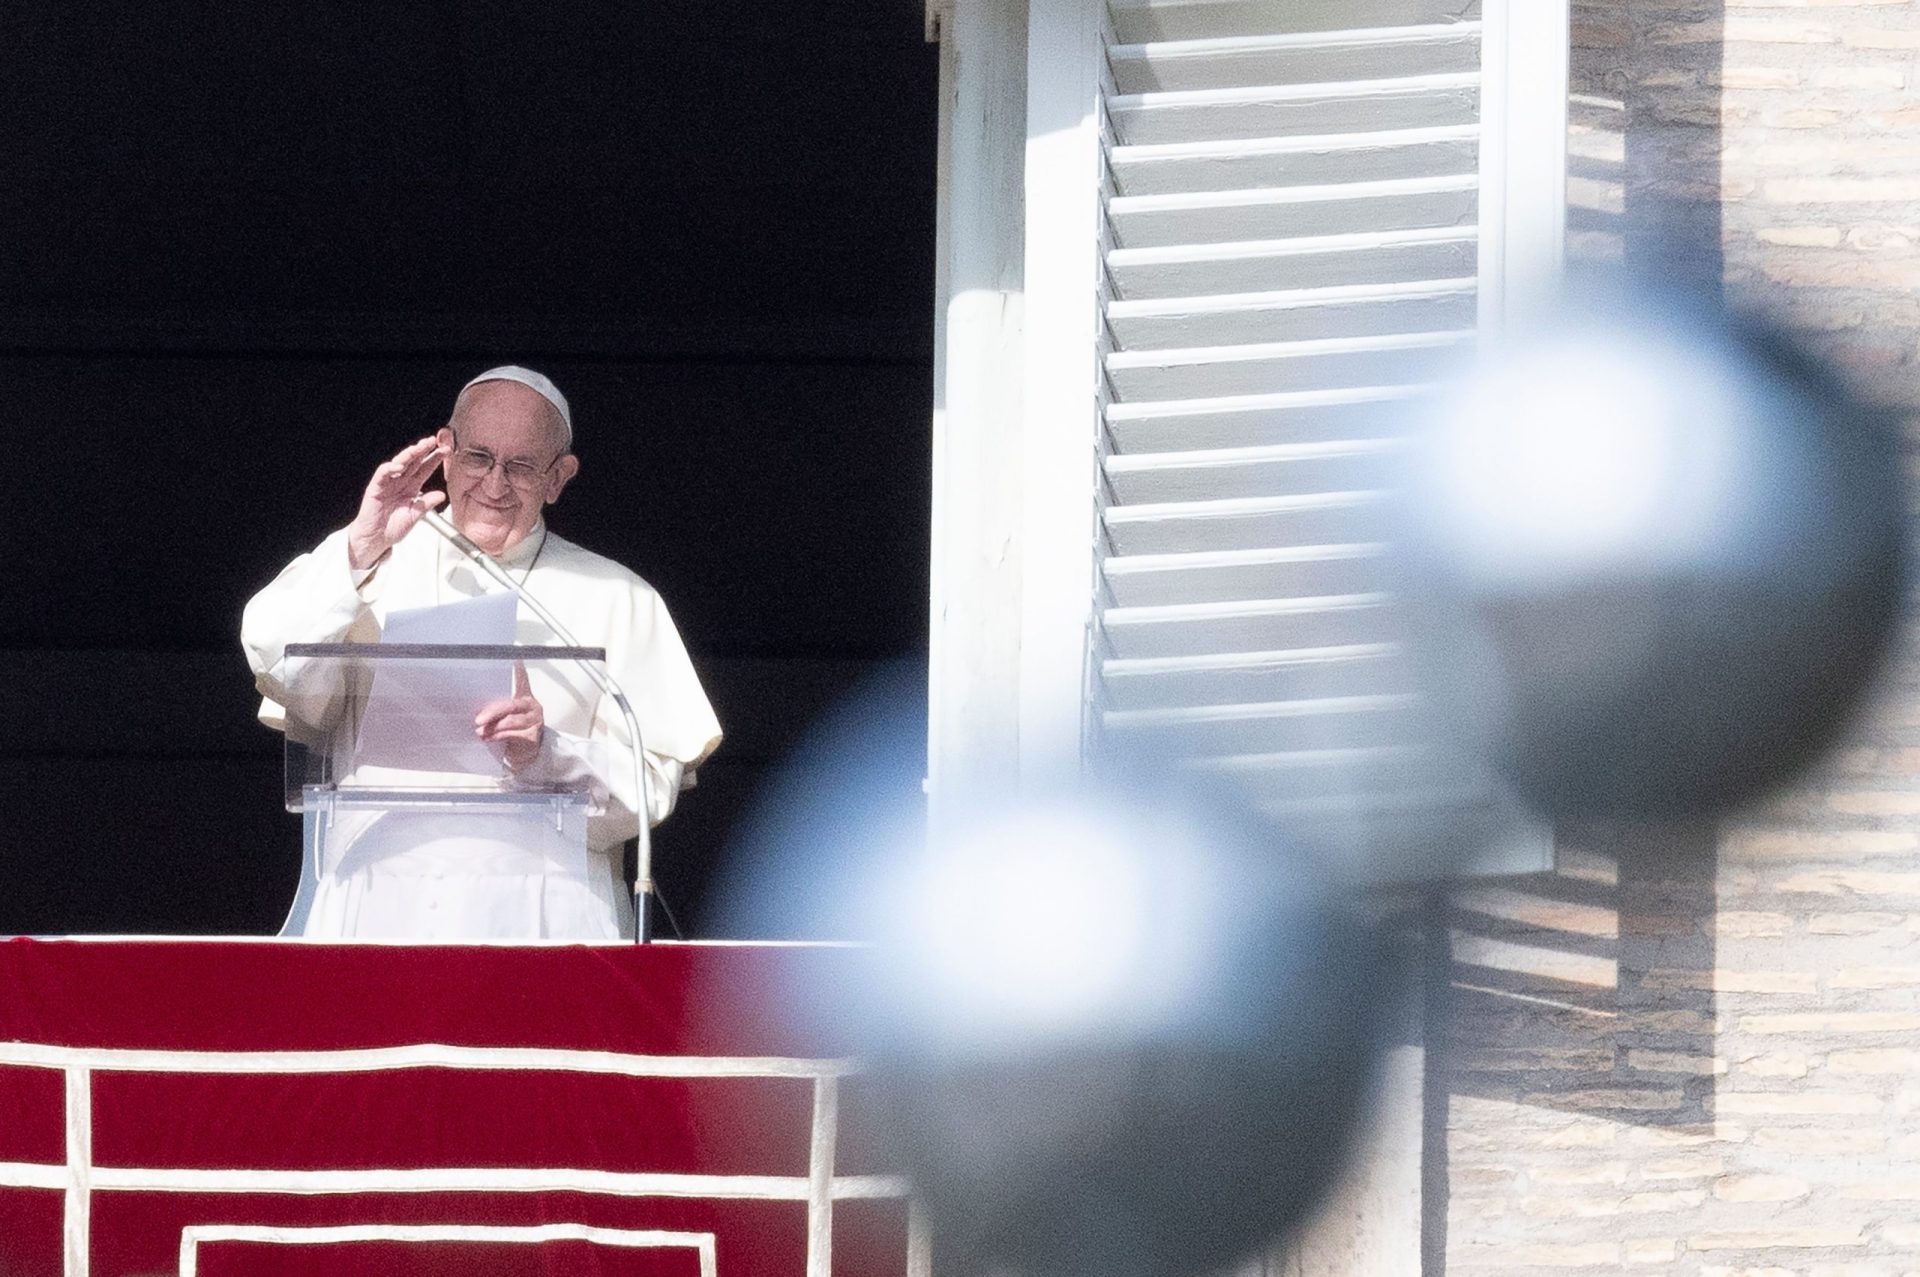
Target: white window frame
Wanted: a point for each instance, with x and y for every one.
(1042, 538)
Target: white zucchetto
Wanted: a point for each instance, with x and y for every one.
(534, 381)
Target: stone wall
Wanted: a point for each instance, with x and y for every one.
(1697, 1050)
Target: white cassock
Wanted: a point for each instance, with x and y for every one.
(457, 887)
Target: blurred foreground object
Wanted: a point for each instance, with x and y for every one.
(1655, 556)
(1122, 1039)
(1118, 1032)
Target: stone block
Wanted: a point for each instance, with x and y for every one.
(1816, 844)
(1880, 38)
(1797, 1103)
(1723, 980)
(1674, 1062)
(1540, 912)
(1792, 118)
(1755, 77)
(1883, 239)
(1789, 1064)
(1852, 924)
(1793, 1237)
(1549, 1139)
(1562, 1257)
(1841, 190)
(1817, 1141)
(1604, 1205)
(1652, 1250)
(1749, 924)
(1760, 1188)
(1462, 1206)
(1876, 978)
(1538, 1059)
(1561, 1173)
(1800, 236)
(1694, 1135)
(1873, 77)
(1624, 1099)
(1883, 1190)
(1701, 1166)
(1589, 34)
(1738, 28)
(1871, 1061)
(1852, 882)
(1905, 1235)
(1831, 1022)
(1667, 1022)
(1880, 802)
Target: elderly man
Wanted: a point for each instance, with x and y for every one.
(506, 454)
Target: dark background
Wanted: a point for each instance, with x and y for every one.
(247, 251)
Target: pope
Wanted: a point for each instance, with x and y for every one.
(506, 453)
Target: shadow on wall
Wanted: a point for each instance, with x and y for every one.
(1644, 141)
(1564, 1004)
(1589, 991)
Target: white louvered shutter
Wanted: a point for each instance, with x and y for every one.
(1292, 252)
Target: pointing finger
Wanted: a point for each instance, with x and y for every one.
(495, 711)
(521, 723)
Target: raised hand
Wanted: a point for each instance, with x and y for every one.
(514, 722)
(393, 502)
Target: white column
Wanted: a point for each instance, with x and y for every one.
(1523, 157)
(974, 640)
(1065, 65)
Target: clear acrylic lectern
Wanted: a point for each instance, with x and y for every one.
(393, 785)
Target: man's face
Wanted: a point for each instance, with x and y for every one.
(518, 430)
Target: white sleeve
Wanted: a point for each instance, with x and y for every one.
(646, 658)
(315, 599)
(567, 760)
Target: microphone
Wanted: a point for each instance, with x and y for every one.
(640, 886)
(461, 542)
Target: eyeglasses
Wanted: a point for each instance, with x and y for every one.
(478, 463)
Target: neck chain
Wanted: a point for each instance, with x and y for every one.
(537, 552)
(439, 575)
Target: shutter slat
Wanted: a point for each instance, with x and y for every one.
(1143, 21)
(1194, 270)
(1313, 159)
(1298, 212)
(1354, 774)
(1347, 722)
(1254, 420)
(1248, 472)
(1181, 527)
(1352, 310)
(1245, 625)
(1228, 374)
(1294, 57)
(1149, 683)
(1292, 263)
(1216, 576)
(1295, 109)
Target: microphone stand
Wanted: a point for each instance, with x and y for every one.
(640, 885)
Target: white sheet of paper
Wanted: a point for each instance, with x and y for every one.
(419, 714)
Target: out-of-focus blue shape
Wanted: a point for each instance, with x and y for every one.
(1126, 1032)
(1654, 553)
(1119, 1029)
